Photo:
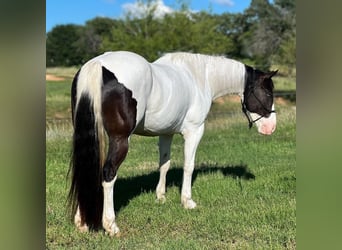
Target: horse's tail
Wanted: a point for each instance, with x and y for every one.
(88, 145)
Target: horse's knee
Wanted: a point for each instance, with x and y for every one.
(109, 171)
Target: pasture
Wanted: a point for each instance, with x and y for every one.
(244, 184)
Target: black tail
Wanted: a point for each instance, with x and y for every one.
(86, 172)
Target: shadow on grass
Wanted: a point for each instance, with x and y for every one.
(128, 188)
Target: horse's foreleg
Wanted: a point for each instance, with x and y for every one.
(117, 151)
(192, 139)
(164, 164)
(108, 216)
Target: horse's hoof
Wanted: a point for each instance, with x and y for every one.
(112, 230)
(82, 228)
(161, 199)
(189, 204)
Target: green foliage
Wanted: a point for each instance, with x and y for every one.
(152, 37)
(61, 46)
(58, 100)
(264, 33)
(287, 55)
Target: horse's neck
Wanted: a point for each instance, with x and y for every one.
(225, 76)
(219, 75)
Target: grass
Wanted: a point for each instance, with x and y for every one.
(244, 185)
(58, 100)
(282, 83)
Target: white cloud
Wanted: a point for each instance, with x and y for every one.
(228, 3)
(139, 9)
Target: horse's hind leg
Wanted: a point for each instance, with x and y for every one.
(164, 164)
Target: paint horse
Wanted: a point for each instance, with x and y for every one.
(118, 94)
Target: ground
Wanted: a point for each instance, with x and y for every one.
(53, 78)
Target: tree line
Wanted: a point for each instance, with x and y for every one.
(263, 35)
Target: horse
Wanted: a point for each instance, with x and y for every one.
(117, 94)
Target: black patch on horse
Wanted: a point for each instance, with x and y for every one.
(258, 93)
(119, 110)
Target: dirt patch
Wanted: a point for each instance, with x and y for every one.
(281, 101)
(227, 98)
(54, 78)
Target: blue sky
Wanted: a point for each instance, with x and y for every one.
(80, 11)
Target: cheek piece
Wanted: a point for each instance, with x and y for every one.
(244, 110)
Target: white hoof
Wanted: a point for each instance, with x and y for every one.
(82, 227)
(113, 231)
(189, 204)
(111, 228)
(161, 198)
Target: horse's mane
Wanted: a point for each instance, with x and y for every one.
(217, 70)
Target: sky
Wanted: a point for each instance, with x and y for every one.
(80, 11)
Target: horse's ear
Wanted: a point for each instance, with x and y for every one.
(271, 74)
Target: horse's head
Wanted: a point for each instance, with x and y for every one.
(257, 100)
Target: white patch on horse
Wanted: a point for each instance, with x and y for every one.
(220, 74)
(265, 125)
(108, 217)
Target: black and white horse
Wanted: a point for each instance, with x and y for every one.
(119, 93)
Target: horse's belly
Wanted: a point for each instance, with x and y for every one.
(170, 122)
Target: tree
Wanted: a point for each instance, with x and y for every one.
(264, 34)
(268, 29)
(233, 26)
(101, 25)
(61, 45)
(179, 31)
(92, 35)
(287, 49)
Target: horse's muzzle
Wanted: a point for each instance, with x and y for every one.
(267, 129)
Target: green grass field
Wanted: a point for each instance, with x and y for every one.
(244, 185)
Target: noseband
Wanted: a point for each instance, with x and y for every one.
(244, 108)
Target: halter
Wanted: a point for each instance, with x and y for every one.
(244, 108)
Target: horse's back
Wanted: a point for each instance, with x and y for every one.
(130, 69)
(133, 71)
(169, 101)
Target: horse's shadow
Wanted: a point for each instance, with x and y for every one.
(128, 188)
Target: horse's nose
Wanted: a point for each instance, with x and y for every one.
(267, 128)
